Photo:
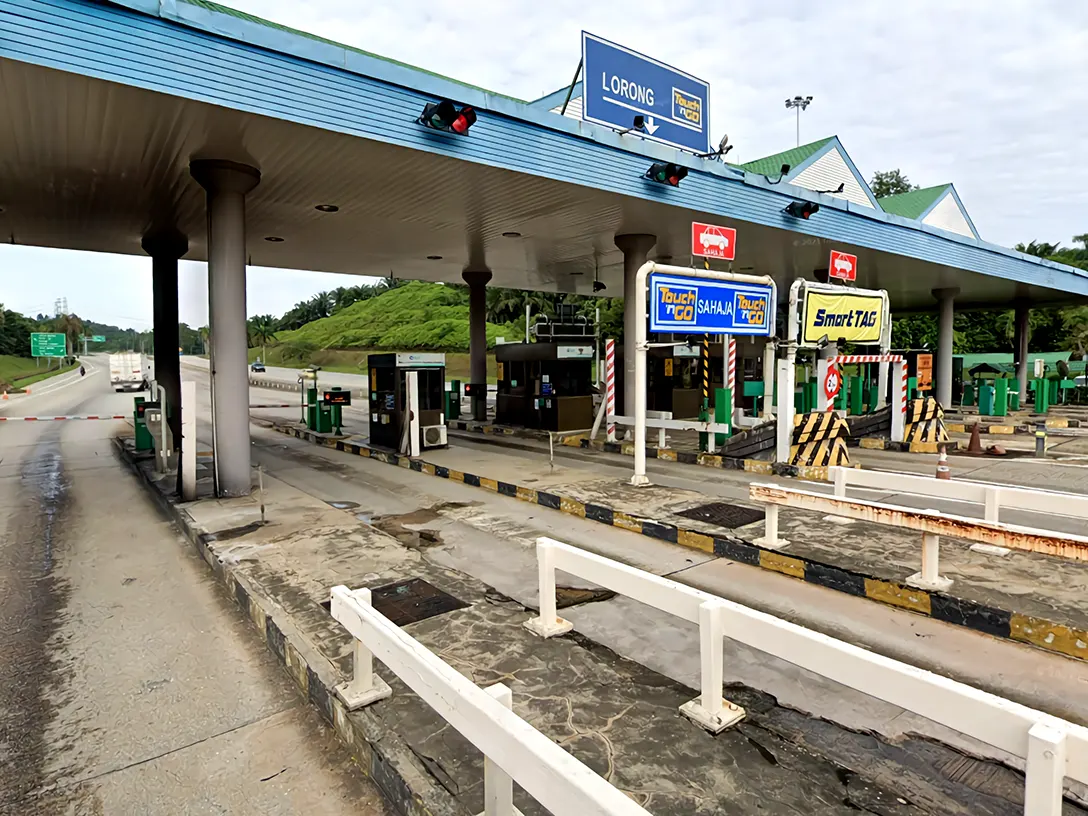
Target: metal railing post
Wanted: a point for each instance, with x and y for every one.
(770, 540)
(548, 624)
(498, 785)
(709, 709)
(1045, 770)
(930, 577)
(364, 687)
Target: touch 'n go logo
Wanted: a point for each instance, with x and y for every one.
(679, 302)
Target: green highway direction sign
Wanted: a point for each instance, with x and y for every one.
(94, 338)
(43, 344)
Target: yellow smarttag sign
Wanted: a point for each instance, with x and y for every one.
(856, 318)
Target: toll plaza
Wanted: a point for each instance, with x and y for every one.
(295, 152)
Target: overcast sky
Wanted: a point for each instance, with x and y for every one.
(988, 95)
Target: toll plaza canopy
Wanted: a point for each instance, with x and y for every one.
(103, 105)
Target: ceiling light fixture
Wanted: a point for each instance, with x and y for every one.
(511, 235)
(274, 239)
(434, 257)
(329, 208)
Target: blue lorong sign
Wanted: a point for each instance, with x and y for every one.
(620, 84)
(690, 305)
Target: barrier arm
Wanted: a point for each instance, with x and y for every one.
(641, 294)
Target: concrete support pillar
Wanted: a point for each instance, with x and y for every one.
(945, 299)
(1021, 341)
(477, 281)
(165, 248)
(226, 184)
(634, 247)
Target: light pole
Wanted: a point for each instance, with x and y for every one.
(799, 103)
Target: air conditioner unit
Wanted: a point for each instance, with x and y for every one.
(434, 436)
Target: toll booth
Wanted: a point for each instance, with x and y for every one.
(389, 398)
(548, 384)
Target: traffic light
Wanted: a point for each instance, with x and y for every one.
(447, 117)
(664, 173)
(802, 209)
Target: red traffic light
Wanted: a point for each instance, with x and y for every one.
(447, 117)
(666, 173)
(802, 209)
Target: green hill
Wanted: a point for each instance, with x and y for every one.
(412, 316)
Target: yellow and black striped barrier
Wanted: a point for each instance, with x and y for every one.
(819, 439)
(925, 422)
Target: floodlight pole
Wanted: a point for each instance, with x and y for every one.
(641, 345)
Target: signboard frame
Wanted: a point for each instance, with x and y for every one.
(703, 290)
(45, 348)
(800, 299)
(659, 128)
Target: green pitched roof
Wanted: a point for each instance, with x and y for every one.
(914, 203)
(241, 15)
(770, 165)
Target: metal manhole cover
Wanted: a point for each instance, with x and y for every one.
(413, 600)
(723, 514)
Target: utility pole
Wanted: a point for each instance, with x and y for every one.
(798, 103)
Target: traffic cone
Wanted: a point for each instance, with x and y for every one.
(975, 445)
(942, 464)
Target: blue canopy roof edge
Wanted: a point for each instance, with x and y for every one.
(836, 144)
(208, 58)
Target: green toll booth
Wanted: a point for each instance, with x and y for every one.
(1001, 397)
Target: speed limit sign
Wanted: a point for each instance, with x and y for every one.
(832, 383)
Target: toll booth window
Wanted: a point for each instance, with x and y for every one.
(385, 379)
(431, 389)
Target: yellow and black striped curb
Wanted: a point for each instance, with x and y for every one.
(1007, 429)
(379, 753)
(1002, 623)
(760, 466)
(880, 443)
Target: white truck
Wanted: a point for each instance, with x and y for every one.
(130, 371)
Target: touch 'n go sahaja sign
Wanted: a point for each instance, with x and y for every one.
(691, 305)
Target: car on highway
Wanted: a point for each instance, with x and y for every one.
(257, 366)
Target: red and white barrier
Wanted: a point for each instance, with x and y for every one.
(899, 398)
(59, 418)
(610, 386)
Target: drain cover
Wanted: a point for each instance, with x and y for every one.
(413, 600)
(723, 514)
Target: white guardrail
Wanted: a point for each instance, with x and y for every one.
(1052, 749)
(930, 523)
(513, 750)
(993, 497)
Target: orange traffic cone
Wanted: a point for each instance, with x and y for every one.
(943, 471)
(975, 445)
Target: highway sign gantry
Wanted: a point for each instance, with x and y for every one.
(620, 84)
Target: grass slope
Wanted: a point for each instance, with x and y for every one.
(19, 372)
(413, 316)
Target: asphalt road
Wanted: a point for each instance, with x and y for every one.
(129, 682)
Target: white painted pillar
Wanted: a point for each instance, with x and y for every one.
(226, 184)
(785, 406)
(188, 440)
(498, 785)
(364, 687)
(768, 379)
(635, 248)
(945, 317)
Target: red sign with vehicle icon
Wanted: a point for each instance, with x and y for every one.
(710, 241)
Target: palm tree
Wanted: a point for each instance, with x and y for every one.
(71, 327)
(1040, 249)
(1081, 239)
(205, 336)
(262, 330)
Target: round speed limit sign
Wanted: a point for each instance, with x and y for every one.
(832, 383)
